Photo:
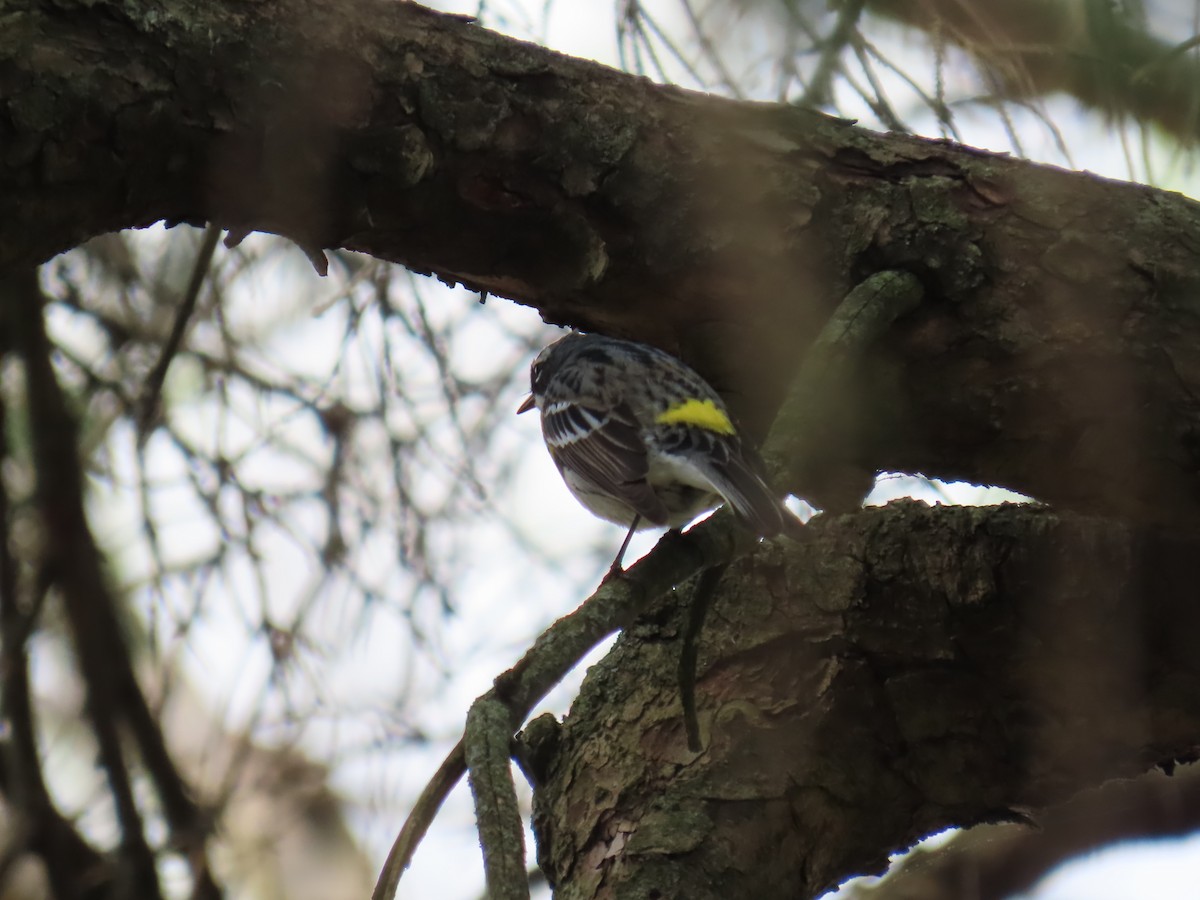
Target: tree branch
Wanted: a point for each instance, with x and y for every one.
(75, 568)
(902, 670)
(999, 861)
(1056, 305)
(74, 564)
(73, 867)
(1096, 52)
(559, 648)
(488, 748)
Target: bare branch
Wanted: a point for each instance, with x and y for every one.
(1000, 861)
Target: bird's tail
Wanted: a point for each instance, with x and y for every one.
(752, 499)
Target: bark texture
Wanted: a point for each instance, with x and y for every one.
(905, 670)
(1057, 352)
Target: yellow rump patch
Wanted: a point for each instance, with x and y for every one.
(701, 413)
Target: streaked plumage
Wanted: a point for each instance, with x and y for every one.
(635, 432)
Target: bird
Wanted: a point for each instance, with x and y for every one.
(643, 441)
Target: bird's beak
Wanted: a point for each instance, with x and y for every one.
(526, 406)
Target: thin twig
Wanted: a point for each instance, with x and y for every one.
(148, 408)
(709, 49)
(453, 767)
(818, 91)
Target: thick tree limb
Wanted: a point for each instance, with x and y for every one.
(992, 862)
(1057, 351)
(900, 671)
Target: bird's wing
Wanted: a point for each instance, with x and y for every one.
(605, 448)
(738, 480)
(736, 472)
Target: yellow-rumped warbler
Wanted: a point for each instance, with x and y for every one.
(642, 440)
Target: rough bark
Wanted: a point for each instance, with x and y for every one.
(904, 670)
(1056, 353)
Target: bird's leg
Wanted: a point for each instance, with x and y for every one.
(615, 568)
